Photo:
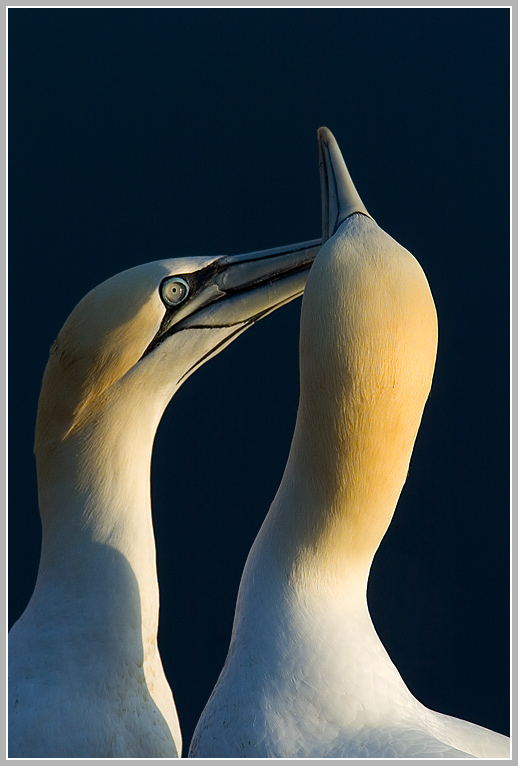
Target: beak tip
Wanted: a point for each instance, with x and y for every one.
(339, 196)
(323, 133)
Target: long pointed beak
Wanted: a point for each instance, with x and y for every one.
(238, 290)
(339, 196)
(246, 287)
(246, 272)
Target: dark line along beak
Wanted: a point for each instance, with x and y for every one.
(251, 270)
(244, 286)
(240, 289)
(339, 196)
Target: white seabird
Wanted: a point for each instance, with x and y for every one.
(85, 675)
(306, 675)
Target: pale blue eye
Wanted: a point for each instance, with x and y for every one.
(174, 291)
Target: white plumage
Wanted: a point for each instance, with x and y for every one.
(85, 675)
(306, 675)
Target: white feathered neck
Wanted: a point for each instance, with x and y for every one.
(95, 605)
(367, 354)
(306, 675)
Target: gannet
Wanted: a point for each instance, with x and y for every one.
(85, 675)
(306, 675)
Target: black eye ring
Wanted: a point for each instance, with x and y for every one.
(174, 291)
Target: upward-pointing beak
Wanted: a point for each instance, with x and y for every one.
(339, 196)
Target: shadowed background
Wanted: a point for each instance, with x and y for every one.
(136, 135)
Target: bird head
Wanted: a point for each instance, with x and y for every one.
(367, 290)
(155, 324)
(367, 352)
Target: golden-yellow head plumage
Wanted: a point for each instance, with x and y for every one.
(104, 336)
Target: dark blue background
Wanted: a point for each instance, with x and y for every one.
(140, 134)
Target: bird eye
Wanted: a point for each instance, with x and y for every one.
(174, 291)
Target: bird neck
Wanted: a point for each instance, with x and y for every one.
(367, 354)
(341, 485)
(98, 550)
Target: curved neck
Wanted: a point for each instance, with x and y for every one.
(98, 549)
(342, 481)
(367, 352)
